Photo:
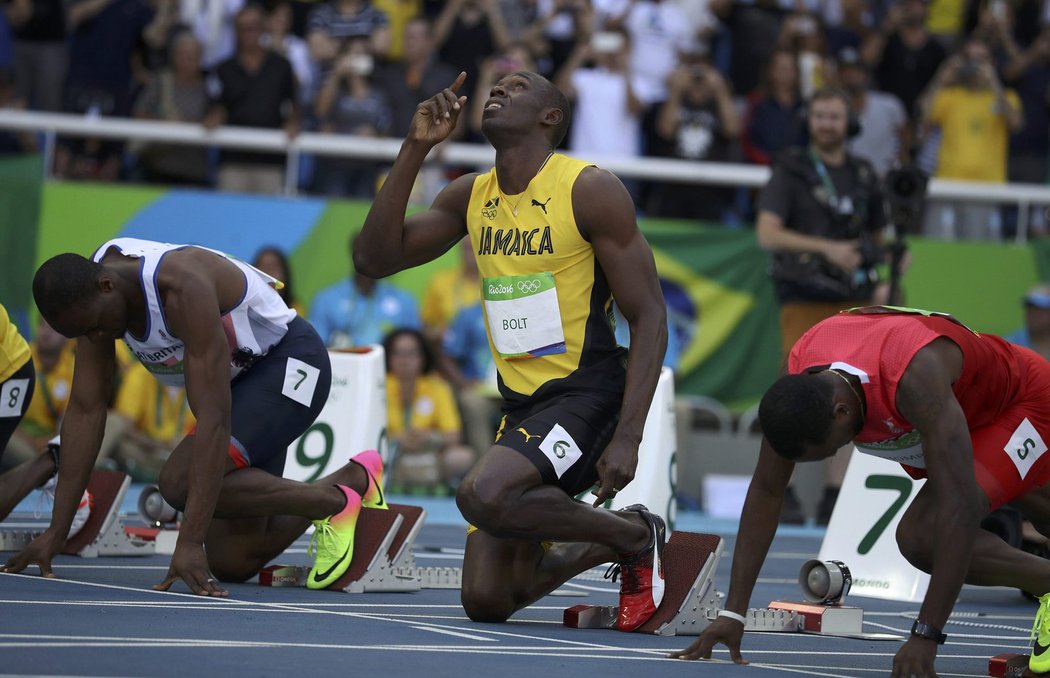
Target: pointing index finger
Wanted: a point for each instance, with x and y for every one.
(460, 79)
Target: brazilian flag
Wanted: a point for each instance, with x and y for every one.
(721, 307)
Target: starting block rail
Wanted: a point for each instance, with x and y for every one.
(102, 534)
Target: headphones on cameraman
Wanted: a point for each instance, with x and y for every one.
(853, 126)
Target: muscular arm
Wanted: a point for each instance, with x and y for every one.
(758, 525)
(82, 426)
(605, 214)
(389, 241)
(925, 398)
(192, 309)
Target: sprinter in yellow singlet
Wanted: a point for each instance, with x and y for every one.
(555, 241)
(17, 381)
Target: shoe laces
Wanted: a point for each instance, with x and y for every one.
(1041, 627)
(629, 571)
(323, 539)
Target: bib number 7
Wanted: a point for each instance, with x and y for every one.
(898, 484)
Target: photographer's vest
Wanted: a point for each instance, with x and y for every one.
(851, 208)
(806, 275)
(547, 303)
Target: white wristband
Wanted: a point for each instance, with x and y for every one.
(733, 615)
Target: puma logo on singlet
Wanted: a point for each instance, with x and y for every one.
(525, 433)
(541, 205)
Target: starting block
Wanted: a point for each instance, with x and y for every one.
(102, 534)
(1009, 665)
(691, 603)
(383, 561)
(826, 619)
(690, 561)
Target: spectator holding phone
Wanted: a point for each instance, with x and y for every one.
(607, 111)
(975, 114)
(700, 122)
(349, 103)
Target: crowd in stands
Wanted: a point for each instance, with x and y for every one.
(958, 86)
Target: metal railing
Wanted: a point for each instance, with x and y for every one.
(479, 156)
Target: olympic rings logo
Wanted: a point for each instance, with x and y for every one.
(528, 286)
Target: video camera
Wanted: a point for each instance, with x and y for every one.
(905, 189)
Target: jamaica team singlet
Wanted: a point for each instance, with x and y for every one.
(547, 303)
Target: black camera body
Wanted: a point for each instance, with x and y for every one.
(905, 190)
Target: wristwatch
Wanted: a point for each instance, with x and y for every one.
(928, 631)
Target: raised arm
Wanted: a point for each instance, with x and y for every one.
(390, 242)
(925, 398)
(82, 428)
(605, 214)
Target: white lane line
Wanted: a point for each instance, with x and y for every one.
(808, 669)
(807, 672)
(20, 640)
(468, 636)
(215, 602)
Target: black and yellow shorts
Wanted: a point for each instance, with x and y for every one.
(563, 437)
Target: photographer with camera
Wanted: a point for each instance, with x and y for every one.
(976, 115)
(820, 218)
(597, 80)
(350, 103)
(699, 122)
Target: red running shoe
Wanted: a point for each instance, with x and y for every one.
(641, 575)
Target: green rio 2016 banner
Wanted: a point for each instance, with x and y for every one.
(720, 302)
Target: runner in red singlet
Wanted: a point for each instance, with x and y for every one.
(968, 411)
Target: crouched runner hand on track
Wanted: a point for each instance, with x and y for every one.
(189, 564)
(39, 552)
(723, 630)
(915, 658)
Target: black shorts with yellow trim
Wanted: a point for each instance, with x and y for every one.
(563, 437)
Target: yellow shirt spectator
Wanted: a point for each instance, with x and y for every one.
(974, 134)
(14, 350)
(433, 407)
(946, 17)
(51, 394)
(398, 12)
(447, 293)
(160, 412)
